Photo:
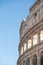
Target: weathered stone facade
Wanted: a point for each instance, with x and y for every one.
(31, 37)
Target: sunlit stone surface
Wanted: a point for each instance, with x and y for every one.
(31, 37)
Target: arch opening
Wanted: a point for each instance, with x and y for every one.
(34, 60)
(41, 58)
(28, 61)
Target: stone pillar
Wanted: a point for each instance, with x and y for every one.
(38, 37)
(38, 58)
(30, 59)
(27, 43)
(32, 39)
(23, 48)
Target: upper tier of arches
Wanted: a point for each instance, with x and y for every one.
(32, 19)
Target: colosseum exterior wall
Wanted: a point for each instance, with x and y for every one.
(31, 37)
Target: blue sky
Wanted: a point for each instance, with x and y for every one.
(12, 12)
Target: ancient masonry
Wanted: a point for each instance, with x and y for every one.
(31, 37)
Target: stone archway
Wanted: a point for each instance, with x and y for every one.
(34, 60)
(41, 58)
(24, 62)
(28, 61)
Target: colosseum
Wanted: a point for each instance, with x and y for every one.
(31, 37)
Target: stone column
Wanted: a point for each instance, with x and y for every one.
(31, 46)
(23, 48)
(27, 43)
(38, 57)
(32, 39)
(30, 59)
(38, 37)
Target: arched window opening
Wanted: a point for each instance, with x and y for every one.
(24, 47)
(29, 43)
(35, 39)
(42, 58)
(41, 35)
(21, 50)
(34, 60)
(28, 61)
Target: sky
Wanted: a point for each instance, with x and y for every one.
(12, 12)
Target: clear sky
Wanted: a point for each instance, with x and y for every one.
(12, 12)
